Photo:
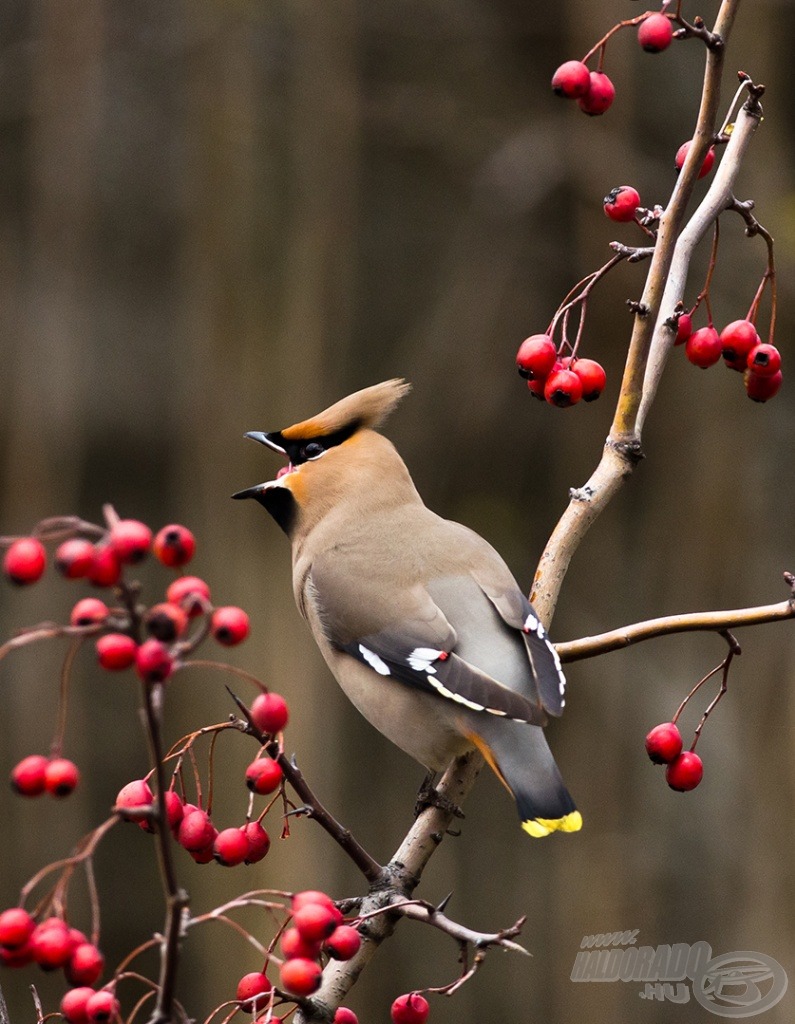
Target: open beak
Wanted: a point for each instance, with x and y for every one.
(269, 440)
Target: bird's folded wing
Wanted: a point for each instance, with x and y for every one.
(415, 646)
(516, 611)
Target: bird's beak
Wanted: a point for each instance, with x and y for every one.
(269, 440)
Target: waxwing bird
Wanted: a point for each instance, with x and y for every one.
(418, 618)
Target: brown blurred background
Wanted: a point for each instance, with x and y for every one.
(218, 217)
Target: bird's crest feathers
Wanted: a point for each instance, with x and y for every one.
(366, 408)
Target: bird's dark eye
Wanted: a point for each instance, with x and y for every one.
(313, 450)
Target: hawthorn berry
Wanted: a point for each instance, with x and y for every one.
(61, 777)
(175, 809)
(19, 957)
(343, 1015)
(411, 1008)
(251, 986)
(229, 626)
(25, 561)
(592, 377)
(74, 558)
(343, 943)
(51, 944)
(655, 33)
(206, 854)
(764, 360)
(684, 328)
(105, 568)
(269, 712)
(600, 95)
(737, 340)
(166, 621)
(759, 388)
(73, 1004)
(231, 847)
(685, 772)
(16, 927)
(563, 388)
(300, 976)
(116, 651)
(572, 80)
(536, 388)
(174, 545)
(314, 922)
(536, 357)
(88, 612)
(295, 945)
(185, 590)
(664, 743)
(27, 777)
(85, 965)
(706, 166)
(196, 832)
(621, 203)
(263, 775)
(153, 663)
(259, 842)
(703, 348)
(132, 796)
(131, 540)
(307, 896)
(102, 1006)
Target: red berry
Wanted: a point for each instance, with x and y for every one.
(116, 651)
(85, 965)
(132, 796)
(684, 328)
(196, 832)
(153, 663)
(764, 360)
(25, 561)
(343, 943)
(166, 621)
(252, 985)
(174, 545)
(105, 569)
(592, 377)
(345, 1016)
(655, 33)
(231, 847)
(536, 388)
(269, 712)
(88, 612)
(411, 1008)
(229, 625)
(206, 854)
(130, 540)
(20, 957)
(102, 1006)
(185, 590)
(737, 339)
(572, 80)
(61, 777)
(263, 775)
(684, 772)
(563, 388)
(16, 927)
(300, 977)
(759, 388)
(51, 944)
(706, 166)
(294, 945)
(73, 1004)
(307, 896)
(536, 357)
(74, 558)
(27, 778)
(175, 809)
(600, 95)
(259, 842)
(314, 922)
(620, 205)
(664, 743)
(703, 347)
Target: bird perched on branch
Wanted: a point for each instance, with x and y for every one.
(418, 618)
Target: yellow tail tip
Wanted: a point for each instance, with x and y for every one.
(539, 827)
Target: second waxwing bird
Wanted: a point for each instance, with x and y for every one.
(418, 618)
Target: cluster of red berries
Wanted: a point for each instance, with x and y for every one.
(741, 348)
(37, 774)
(555, 378)
(684, 769)
(51, 944)
(593, 90)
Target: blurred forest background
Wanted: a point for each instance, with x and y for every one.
(222, 216)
